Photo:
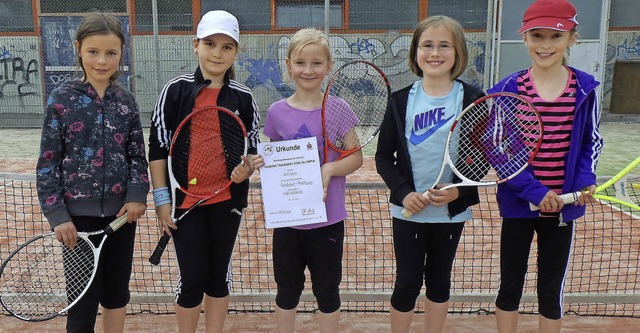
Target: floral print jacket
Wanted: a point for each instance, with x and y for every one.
(92, 155)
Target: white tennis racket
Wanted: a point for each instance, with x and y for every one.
(43, 278)
(501, 131)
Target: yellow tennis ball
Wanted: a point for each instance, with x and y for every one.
(193, 181)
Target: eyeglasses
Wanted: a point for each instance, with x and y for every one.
(428, 47)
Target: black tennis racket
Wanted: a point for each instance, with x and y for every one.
(354, 104)
(208, 144)
(43, 278)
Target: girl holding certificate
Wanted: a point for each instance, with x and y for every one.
(316, 246)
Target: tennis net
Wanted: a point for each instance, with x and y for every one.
(603, 277)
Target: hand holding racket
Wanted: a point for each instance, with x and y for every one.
(207, 147)
(501, 131)
(43, 278)
(623, 189)
(353, 107)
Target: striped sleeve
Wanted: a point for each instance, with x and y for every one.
(596, 142)
(251, 118)
(161, 132)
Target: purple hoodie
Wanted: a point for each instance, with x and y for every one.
(515, 195)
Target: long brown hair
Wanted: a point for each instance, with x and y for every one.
(98, 23)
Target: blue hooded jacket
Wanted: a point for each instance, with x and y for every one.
(515, 195)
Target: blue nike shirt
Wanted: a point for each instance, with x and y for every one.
(427, 126)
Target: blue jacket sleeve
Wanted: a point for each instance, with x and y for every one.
(591, 146)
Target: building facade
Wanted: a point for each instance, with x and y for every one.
(37, 53)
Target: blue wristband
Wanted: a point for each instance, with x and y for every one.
(161, 196)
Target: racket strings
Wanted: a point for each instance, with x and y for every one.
(504, 131)
(626, 189)
(206, 150)
(36, 284)
(363, 92)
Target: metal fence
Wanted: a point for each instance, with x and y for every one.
(37, 37)
(160, 35)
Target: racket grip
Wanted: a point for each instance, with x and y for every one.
(406, 213)
(157, 253)
(567, 198)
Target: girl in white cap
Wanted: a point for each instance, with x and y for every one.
(205, 237)
(566, 162)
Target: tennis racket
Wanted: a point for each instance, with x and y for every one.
(623, 189)
(501, 131)
(43, 278)
(353, 107)
(208, 144)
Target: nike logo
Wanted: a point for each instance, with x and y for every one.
(419, 138)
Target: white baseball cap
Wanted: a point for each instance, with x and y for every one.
(218, 22)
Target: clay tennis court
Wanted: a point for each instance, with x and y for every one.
(604, 268)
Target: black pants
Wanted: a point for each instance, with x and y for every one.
(554, 248)
(424, 252)
(110, 287)
(319, 249)
(204, 244)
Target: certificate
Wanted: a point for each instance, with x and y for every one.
(291, 183)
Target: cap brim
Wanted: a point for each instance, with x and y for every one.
(552, 23)
(217, 31)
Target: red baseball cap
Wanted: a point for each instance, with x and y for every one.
(549, 14)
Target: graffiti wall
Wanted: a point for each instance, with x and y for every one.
(261, 62)
(30, 66)
(21, 78)
(620, 46)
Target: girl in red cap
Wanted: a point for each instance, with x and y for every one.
(566, 162)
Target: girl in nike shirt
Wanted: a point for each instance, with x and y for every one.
(409, 155)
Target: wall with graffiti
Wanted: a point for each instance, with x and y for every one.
(29, 69)
(261, 62)
(620, 46)
(21, 79)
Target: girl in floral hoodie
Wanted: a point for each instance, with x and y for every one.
(92, 167)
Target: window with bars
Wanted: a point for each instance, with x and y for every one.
(624, 14)
(16, 16)
(173, 15)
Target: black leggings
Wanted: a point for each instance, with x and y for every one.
(554, 248)
(204, 244)
(110, 287)
(424, 252)
(319, 249)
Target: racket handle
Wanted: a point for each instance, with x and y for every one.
(407, 214)
(157, 253)
(567, 198)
